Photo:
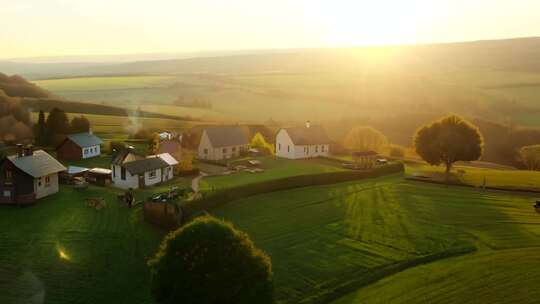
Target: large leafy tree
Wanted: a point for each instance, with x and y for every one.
(364, 139)
(259, 142)
(57, 126)
(80, 124)
(530, 157)
(209, 261)
(449, 140)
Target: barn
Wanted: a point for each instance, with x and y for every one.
(28, 176)
(79, 146)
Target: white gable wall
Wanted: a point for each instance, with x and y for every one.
(46, 185)
(92, 151)
(284, 145)
(131, 181)
(287, 149)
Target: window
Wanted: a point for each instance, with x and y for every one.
(47, 181)
(114, 171)
(8, 177)
(279, 147)
(7, 193)
(123, 173)
(39, 182)
(205, 151)
(288, 148)
(152, 174)
(234, 149)
(316, 149)
(322, 148)
(224, 150)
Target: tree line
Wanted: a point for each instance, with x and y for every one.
(52, 129)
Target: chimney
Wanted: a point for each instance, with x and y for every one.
(308, 124)
(20, 150)
(28, 150)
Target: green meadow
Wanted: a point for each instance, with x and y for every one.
(328, 241)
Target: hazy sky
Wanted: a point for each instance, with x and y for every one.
(30, 28)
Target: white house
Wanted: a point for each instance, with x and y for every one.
(219, 143)
(133, 171)
(302, 142)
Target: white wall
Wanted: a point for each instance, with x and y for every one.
(42, 188)
(285, 148)
(131, 181)
(150, 181)
(217, 153)
(284, 145)
(168, 173)
(91, 151)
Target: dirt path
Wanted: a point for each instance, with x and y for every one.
(195, 183)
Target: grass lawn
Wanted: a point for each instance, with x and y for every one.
(507, 179)
(274, 168)
(65, 252)
(348, 235)
(102, 161)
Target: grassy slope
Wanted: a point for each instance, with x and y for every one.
(321, 238)
(275, 168)
(507, 276)
(106, 251)
(507, 179)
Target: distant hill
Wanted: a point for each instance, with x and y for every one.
(509, 55)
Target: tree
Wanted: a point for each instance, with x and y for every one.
(153, 146)
(396, 151)
(530, 157)
(259, 142)
(209, 261)
(40, 131)
(80, 124)
(186, 162)
(57, 125)
(364, 139)
(447, 141)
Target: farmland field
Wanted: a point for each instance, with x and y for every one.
(327, 241)
(499, 96)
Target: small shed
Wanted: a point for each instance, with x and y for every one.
(99, 176)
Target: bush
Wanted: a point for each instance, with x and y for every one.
(396, 151)
(209, 261)
(115, 147)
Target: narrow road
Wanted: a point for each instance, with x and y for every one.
(196, 181)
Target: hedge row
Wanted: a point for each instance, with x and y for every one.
(224, 196)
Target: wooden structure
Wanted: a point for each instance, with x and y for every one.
(364, 159)
(28, 176)
(79, 146)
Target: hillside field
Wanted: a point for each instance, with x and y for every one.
(328, 241)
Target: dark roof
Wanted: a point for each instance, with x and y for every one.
(227, 136)
(39, 164)
(313, 135)
(170, 146)
(144, 165)
(85, 140)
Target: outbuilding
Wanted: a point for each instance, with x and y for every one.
(79, 146)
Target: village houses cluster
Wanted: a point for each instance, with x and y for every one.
(31, 174)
